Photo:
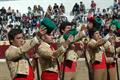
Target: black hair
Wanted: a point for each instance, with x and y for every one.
(91, 32)
(63, 26)
(13, 33)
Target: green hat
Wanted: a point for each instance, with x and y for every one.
(115, 22)
(49, 24)
(98, 20)
(72, 32)
(97, 23)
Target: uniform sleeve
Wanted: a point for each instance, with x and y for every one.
(59, 51)
(92, 44)
(46, 52)
(109, 47)
(80, 35)
(29, 44)
(95, 44)
(14, 53)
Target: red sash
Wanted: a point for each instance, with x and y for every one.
(49, 75)
(101, 65)
(70, 66)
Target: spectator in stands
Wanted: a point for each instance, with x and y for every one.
(18, 16)
(9, 11)
(3, 11)
(30, 12)
(93, 6)
(25, 24)
(40, 11)
(118, 13)
(13, 16)
(4, 36)
(0, 20)
(62, 7)
(98, 12)
(35, 9)
(81, 12)
(9, 27)
(118, 3)
(82, 8)
(56, 9)
(109, 12)
(115, 5)
(75, 9)
(104, 12)
(49, 12)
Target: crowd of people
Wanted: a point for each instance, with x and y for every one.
(28, 22)
(9, 18)
(58, 43)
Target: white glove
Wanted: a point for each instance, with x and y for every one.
(106, 37)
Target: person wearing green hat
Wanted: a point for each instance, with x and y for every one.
(69, 61)
(48, 55)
